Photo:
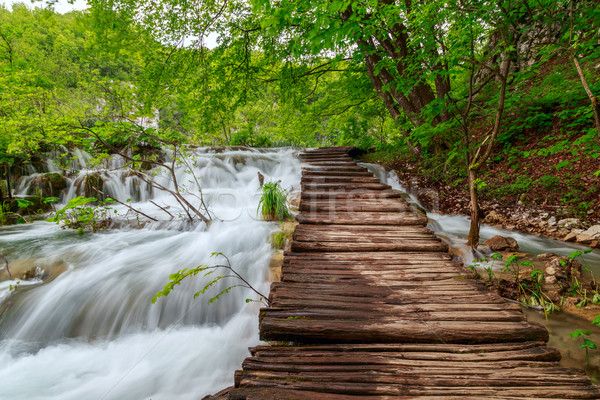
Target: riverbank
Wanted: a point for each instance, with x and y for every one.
(532, 200)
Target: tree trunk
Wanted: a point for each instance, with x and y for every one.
(588, 91)
(473, 240)
(7, 174)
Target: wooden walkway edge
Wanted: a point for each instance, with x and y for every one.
(371, 306)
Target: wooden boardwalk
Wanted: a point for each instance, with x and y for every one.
(371, 305)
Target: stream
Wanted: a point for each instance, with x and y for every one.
(90, 331)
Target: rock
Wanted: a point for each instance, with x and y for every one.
(595, 244)
(550, 279)
(563, 232)
(584, 238)
(48, 185)
(552, 290)
(571, 302)
(552, 221)
(85, 185)
(546, 256)
(484, 250)
(571, 236)
(568, 223)
(563, 267)
(593, 231)
(589, 235)
(499, 243)
(492, 217)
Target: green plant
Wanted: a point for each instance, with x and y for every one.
(208, 270)
(4, 211)
(587, 343)
(278, 239)
(77, 214)
(273, 203)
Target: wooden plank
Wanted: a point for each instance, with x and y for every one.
(345, 186)
(360, 218)
(258, 393)
(339, 179)
(353, 206)
(384, 257)
(387, 315)
(553, 391)
(352, 194)
(414, 308)
(486, 348)
(337, 172)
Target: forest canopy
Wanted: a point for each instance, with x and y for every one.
(446, 83)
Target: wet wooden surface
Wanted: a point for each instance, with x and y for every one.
(372, 306)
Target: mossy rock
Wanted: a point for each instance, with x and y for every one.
(49, 185)
(91, 182)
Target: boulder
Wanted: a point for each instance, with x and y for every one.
(593, 232)
(500, 243)
(552, 221)
(48, 185)
(584, 238)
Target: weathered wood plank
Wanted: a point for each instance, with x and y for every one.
(405, 245)
(550, 391)
(342, 348)
(360, 218)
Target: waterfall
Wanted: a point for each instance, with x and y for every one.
(89, 329)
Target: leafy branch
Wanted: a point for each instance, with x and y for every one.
(207, 271)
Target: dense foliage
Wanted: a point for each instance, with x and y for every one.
(452, 84)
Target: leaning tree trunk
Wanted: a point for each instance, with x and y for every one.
(588, 91)
(473, 239)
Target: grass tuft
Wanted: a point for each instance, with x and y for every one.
(273, 204)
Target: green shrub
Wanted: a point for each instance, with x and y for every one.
(77, 214)
(273, 204)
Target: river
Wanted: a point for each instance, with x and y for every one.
(90, 330)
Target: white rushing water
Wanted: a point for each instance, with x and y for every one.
(90, 331)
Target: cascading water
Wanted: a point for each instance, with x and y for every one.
(89, 329)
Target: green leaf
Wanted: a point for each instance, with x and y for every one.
(580, 332)
(575, 254)
(24, 203)
(587, 343)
